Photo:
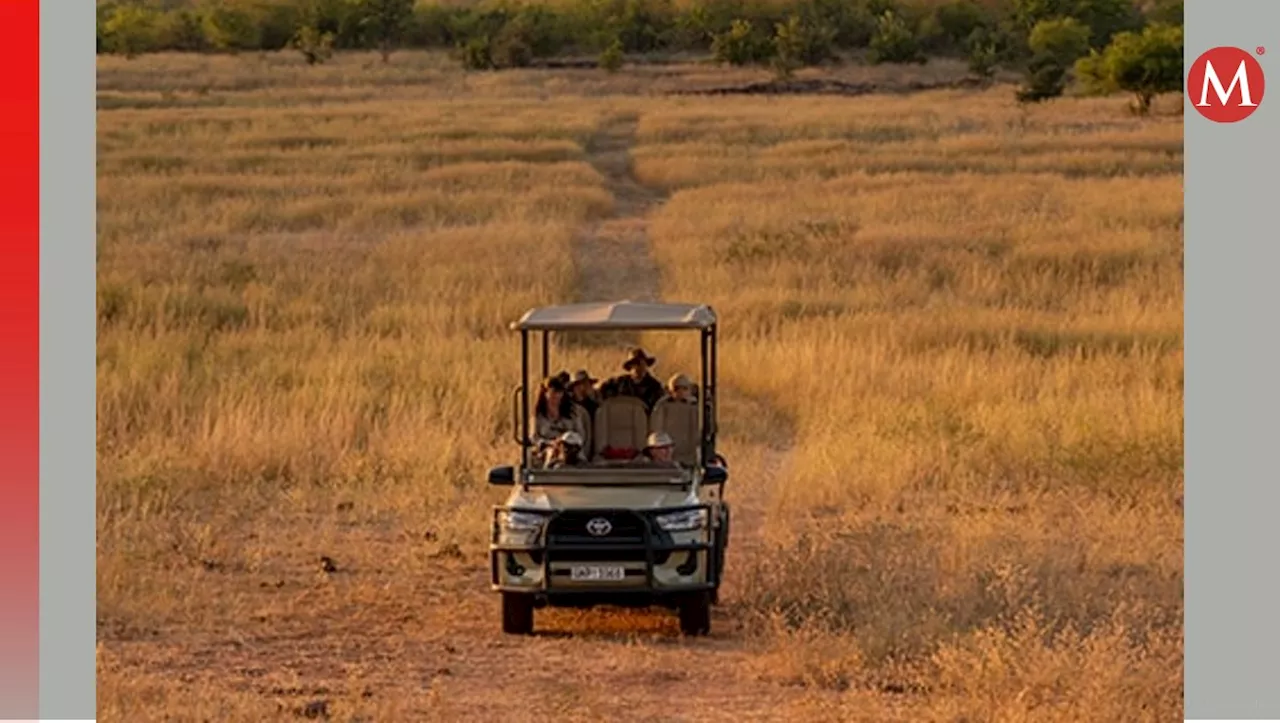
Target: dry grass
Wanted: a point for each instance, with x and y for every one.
(962, 318)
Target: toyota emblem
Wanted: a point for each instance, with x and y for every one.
(599, 526)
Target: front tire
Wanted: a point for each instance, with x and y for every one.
(517, 613)
(695, 614)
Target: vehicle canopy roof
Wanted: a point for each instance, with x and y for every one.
(602, 316)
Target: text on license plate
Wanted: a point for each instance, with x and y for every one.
(591, 573)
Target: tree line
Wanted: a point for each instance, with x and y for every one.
(1105, 46)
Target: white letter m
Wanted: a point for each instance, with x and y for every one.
(1211, 76)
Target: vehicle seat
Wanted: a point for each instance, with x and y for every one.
(680, 420)
(622, 425)
(585, 418)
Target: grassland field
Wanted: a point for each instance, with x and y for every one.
(952, 351)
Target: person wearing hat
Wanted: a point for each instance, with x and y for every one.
(659, 449)
(566, 452)
(680, 388)
(582, 390)
(637, 382)
(564, 378)
(554, 414)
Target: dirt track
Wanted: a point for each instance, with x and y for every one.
(627, 665)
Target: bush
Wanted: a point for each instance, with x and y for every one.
(741, 45)
(958, 20)
(131, 30)
(1055, 45)
(797, 44)
(1104, 18)
(1063, 38)
(1046, 78)
(983, 53)
(894, 42)
(611, 58)
(474, 53)
(316, 47)
(1144, 64)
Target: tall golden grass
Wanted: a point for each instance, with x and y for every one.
(959, 323)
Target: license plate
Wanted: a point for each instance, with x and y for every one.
(594, 573)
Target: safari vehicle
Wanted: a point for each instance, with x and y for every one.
(608, 533)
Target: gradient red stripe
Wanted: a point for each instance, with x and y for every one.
(19, 358)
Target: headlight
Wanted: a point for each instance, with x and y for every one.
(519, 528)
(683, 521)
(520, 521)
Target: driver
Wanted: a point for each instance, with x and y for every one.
(659, 450)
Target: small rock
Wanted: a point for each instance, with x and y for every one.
(327, 564)
(346, 506)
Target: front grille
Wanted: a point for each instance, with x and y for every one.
(579, 528)
(571, 537)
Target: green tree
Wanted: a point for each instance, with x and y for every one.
(1144, 64)
(384, 22)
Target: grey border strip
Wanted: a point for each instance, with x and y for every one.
(1233, 385)
(68, 335)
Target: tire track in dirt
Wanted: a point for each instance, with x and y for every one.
(612, 257)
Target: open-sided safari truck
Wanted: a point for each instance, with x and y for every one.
(604, 532)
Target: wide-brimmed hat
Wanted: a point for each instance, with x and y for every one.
(555, 383)
(582, 376)
(563, 376)
(638, 355)
(570, 438)
(679, 381)
(659, 439)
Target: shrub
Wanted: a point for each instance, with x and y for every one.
(316, 46)
(983, 53)
(1055, 44)
(894, 42)
(797, 44)
(611, 58)
(1063, 38)
(1046, 77)
(1144, 64)
(741, 45)
(130, 30)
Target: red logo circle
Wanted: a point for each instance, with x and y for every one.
(1225, 84)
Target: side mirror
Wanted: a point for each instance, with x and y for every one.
(504, 476)
(715, 475)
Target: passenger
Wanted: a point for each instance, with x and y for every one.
(681, 389)
(563, 377)
(554, 415)
(566, 452)
(582, 391)
(638, 382)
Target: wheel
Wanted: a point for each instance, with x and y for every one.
(517, 613)
(695, 614)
